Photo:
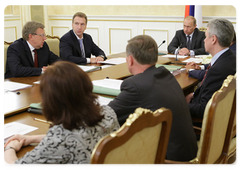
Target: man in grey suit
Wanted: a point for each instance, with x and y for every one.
(153, 88)
(189, 40)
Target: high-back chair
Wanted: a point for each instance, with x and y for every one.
(217, 125)
(142, 139)
(233, 143)
(53, 44)
(6, 45)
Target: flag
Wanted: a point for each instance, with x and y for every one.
(196, 12)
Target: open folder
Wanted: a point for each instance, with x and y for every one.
(107, 86)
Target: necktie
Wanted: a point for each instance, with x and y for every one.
(189, 42)
(82, 47)
(206, 73)
(35, 58)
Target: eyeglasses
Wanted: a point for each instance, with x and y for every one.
(42, 35)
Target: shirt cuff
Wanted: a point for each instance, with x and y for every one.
(88, 60)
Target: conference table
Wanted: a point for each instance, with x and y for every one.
(17, 103)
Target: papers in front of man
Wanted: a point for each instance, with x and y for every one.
(13, 86)
(104, 100)
(114, 61)
(174, 56)
(107, 86)
(13, 128)
(89, 68)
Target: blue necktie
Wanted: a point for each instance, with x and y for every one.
(82, 47)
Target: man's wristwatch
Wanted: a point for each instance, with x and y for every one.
(9, 147)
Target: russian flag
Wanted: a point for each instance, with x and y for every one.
(196, 12)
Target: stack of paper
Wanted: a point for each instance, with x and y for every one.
(13, 128)
(107, 86)
(114, 61)
(13, 86)
(89, 68)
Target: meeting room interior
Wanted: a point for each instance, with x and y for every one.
(111, 27)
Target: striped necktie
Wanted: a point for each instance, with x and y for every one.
(209, 66)
(82, 47)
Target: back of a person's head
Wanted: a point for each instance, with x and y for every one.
(31, 27)
(67, 96)
(223, 30)
(143, 48)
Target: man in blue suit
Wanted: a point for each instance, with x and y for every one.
(77, 46)
(190, 40)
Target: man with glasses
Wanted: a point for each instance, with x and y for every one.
(77, 46)
(29, 55)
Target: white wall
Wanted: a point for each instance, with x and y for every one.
(110, 33)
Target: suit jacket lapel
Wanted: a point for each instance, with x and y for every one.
(28, 52)
(194, 38)
(76, 42)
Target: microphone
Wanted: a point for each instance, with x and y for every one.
(162, 43)
(177, 51)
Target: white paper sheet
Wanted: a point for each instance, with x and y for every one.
(13, 128)
(174, 56)
(13, 86)
(104, 100)
(114, 61)
(108, 83)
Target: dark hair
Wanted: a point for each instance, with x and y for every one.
(80, 14)
(143, 48)
(67, 96)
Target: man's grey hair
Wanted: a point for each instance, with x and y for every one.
(30, 28)
(223, 30)
(143, 48)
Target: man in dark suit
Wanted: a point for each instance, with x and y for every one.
(219, 36)
(77, 46)
(153, 88)
(190, 40)
(197, 71)
(21, 61)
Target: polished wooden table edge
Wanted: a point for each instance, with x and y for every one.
(15, 111)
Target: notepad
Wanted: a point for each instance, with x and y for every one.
(107, 86)
(13, 128)
(171, 68)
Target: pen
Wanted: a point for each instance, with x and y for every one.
(40, 120)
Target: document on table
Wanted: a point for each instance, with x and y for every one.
(89, 68)
(13, 128)
(13, 86)
(114, 61)
(196, 60)
(104, 100)
(107, 86)
(174, 56)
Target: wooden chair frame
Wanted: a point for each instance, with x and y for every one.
(228, 85)
(142, 118)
